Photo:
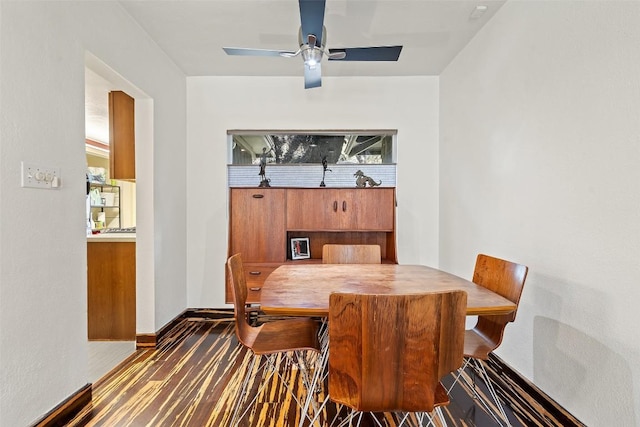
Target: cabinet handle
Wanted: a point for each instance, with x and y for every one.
(255, 289)
(255, 273)
(258, 196)
(344, 206)
(335, 206)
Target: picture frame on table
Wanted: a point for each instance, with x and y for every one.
(300, 248)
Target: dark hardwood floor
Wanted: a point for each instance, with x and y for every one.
(194, 375)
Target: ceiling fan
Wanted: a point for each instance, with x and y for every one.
(312, 38)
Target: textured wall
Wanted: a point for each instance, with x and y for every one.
(540, 147)
(43, 278)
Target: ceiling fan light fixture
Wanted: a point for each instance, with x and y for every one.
(311, 56)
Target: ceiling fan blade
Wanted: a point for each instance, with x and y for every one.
(241, 51)
(376, 53)
(312, 18)
(312, 76)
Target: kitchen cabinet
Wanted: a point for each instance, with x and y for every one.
(262, 222)
(111, 291)
(122, 147)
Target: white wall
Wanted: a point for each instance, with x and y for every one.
(540, 147)
(538, 158)
(216, 104)
(43, 309)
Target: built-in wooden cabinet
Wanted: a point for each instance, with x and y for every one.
(122, 142)
(263, 221)
(257, 231)
(111, 291)
(257, 224)
(340, 209)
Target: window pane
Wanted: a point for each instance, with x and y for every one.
(289, 148)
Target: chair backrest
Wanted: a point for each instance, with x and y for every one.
(389, 352)
(244, 331)
(351, 254)
(502, 277)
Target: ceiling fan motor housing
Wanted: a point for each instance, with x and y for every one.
(311, 53)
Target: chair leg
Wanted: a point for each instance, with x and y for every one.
(313, 386)
(375, 419)
(320, 372)
(438, 411)
(421, 416)
(492, 391)
(243, 394)
(478, 367)
(337, 417)
(311, 378)
(348, 421)
(269, 366)
(289, 361)
(406, 417)
(459, 372)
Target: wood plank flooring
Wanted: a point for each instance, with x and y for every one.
(193, 377)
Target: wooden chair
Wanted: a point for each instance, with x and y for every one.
(289, 338)
(389, 352)
(351, 254)
(507, 279)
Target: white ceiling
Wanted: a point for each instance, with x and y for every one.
(192, 33)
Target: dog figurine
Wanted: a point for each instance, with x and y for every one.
(362, 180)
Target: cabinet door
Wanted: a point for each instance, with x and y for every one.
(341, 209)
(257, 224)
(313, 209)
(111, 290)
(368, 209)
(122, 142)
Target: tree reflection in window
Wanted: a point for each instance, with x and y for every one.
(293, 148)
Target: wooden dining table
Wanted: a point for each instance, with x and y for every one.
(304, 289)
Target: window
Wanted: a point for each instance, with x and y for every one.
(289, 147)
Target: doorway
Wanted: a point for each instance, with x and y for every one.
(100, 79)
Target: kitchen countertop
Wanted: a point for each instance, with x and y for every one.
(112, 237)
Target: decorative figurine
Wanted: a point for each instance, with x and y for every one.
(362, 180)
(324, 170)
(263, 165)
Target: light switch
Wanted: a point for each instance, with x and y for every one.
(45, 177)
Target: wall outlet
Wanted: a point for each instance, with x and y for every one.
(45, 177)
